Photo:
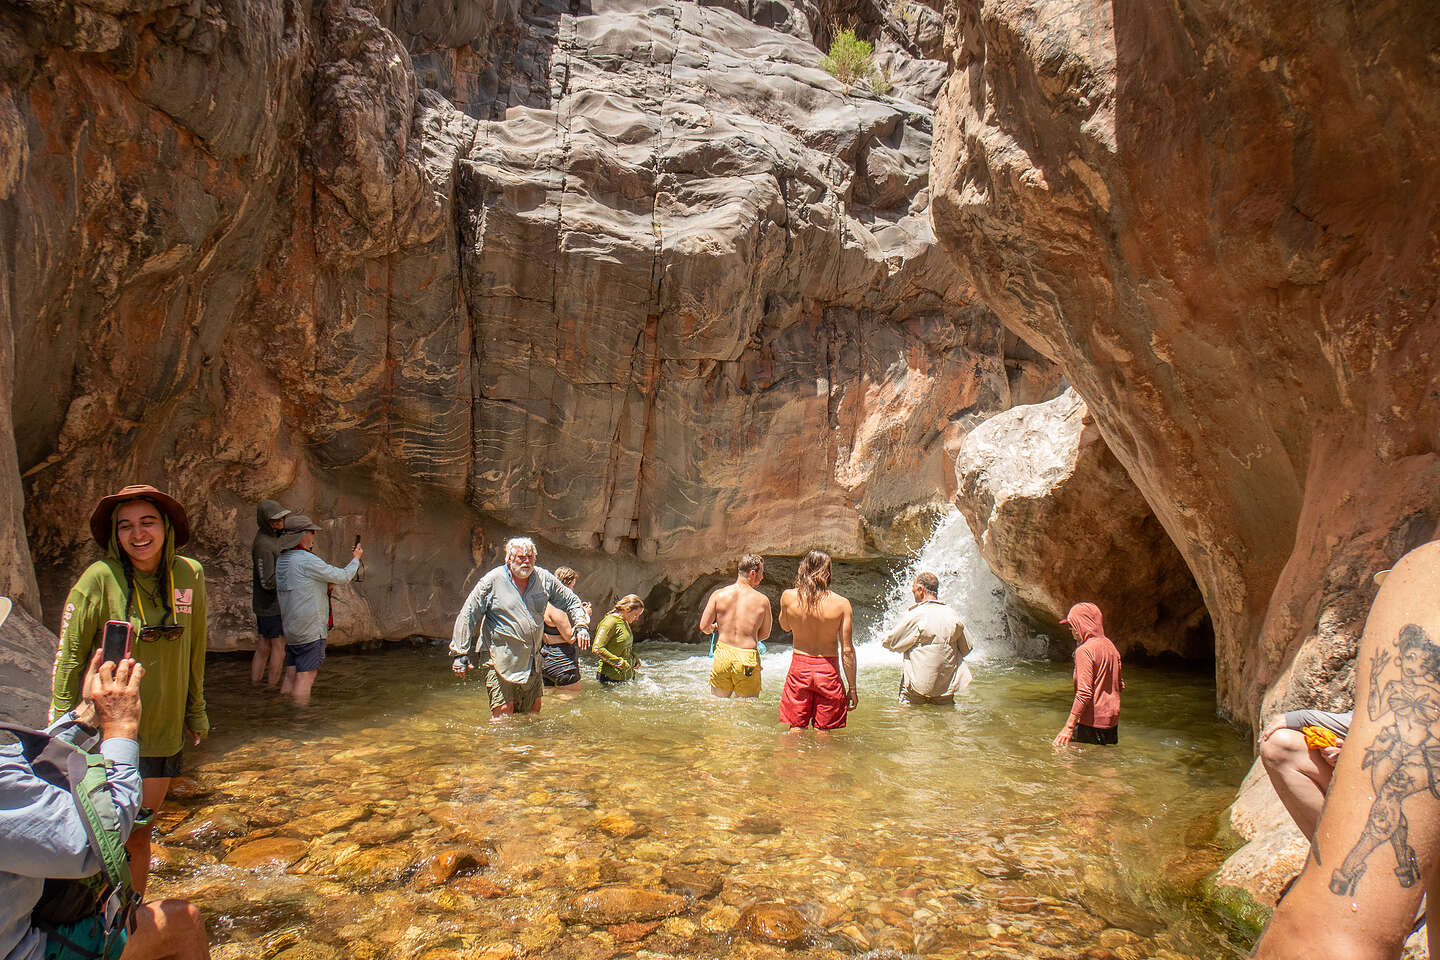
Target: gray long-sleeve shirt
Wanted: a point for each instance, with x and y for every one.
(497, 618)
(42, 835)
(933, 641)
(301, 579)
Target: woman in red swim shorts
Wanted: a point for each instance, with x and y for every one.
(820, 622)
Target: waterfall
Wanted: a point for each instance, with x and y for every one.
(966, 584)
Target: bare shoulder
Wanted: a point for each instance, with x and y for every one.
(838, 605)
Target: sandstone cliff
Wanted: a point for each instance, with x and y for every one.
(637, 277)
(1218, 217)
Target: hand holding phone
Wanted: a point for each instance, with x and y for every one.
(116, 640)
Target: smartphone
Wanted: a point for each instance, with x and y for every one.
(357, 541)
(115, 641)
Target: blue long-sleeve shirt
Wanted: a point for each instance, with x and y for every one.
(301, 579)
(43, 835)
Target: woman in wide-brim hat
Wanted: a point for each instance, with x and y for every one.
(162, 594)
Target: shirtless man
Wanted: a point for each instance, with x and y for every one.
(820, 623)
(1377, 846)
(742, 615)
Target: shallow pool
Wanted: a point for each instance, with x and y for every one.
(391, 819)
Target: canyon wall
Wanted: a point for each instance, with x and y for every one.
(638, 278)
(1218, 218)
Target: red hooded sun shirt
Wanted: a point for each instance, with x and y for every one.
(1097, 670)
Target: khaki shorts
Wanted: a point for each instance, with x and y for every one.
(524, 696)
(736, 670)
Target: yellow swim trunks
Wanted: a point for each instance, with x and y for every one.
(735, 671)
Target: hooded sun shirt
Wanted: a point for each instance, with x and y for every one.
(172, 692)
(1097, 670)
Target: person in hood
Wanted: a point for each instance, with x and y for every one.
(264, 551)
(143, 580)
(1095, 714)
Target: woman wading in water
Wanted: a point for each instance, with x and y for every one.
(615, 642)
(162, 595)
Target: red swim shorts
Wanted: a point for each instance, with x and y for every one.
(813, 693)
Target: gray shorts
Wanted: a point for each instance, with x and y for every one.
(523, 696)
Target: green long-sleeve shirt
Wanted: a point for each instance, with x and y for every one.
(614, 647)
(172, 692)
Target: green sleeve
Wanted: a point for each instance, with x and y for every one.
(609, 632)
(195, 716)
(79, 627)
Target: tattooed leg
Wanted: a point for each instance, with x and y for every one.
(1379, 828)
(1405, 866)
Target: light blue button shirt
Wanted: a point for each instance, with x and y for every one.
(42, 835)
(300, 580)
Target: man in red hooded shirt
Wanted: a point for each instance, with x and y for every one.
(1095, 714)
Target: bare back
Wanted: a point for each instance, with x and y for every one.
(821, 632)
(741, 614)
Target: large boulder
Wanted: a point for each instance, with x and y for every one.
(1058, 520)
(638, 278)
(1213, 216)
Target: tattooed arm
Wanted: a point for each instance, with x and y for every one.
(1379, 834)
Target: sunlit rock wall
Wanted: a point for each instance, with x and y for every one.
(1219, 218)
(1060, 521)
(642, 280)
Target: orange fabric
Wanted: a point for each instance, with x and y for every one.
(1318, 738)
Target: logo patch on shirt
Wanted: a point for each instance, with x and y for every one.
(183, 599)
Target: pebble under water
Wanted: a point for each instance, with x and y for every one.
(391, 819)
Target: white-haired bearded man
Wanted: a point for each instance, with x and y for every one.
(501, 626)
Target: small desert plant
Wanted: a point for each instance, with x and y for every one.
(850, 59)
(880, 82)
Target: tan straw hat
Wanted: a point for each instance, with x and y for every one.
(100, 522)
(5, 605)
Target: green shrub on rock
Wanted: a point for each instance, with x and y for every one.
(850, 59)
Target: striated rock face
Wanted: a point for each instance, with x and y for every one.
(1059, 520)
(641, 280)
(1219, 219)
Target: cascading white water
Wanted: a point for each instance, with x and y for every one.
(966, 584)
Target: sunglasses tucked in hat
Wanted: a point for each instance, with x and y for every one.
(297, 522)
(101, 519)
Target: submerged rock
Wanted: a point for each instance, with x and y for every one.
(619, 904)
(270, 852)
(774, 923)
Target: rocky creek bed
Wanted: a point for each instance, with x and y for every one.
(390, 820)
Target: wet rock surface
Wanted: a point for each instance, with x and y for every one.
(1059, 521)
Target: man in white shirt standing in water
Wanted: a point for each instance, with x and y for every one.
(933, 641)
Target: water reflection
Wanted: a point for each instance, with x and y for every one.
(392, 820)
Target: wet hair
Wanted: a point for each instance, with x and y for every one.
(627, 603)
(1414, 637)
(566, 576)
(813, 578)
(929, 583)
(750, 562)
(518, 543)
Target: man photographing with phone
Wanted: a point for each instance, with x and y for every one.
(303, 580)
